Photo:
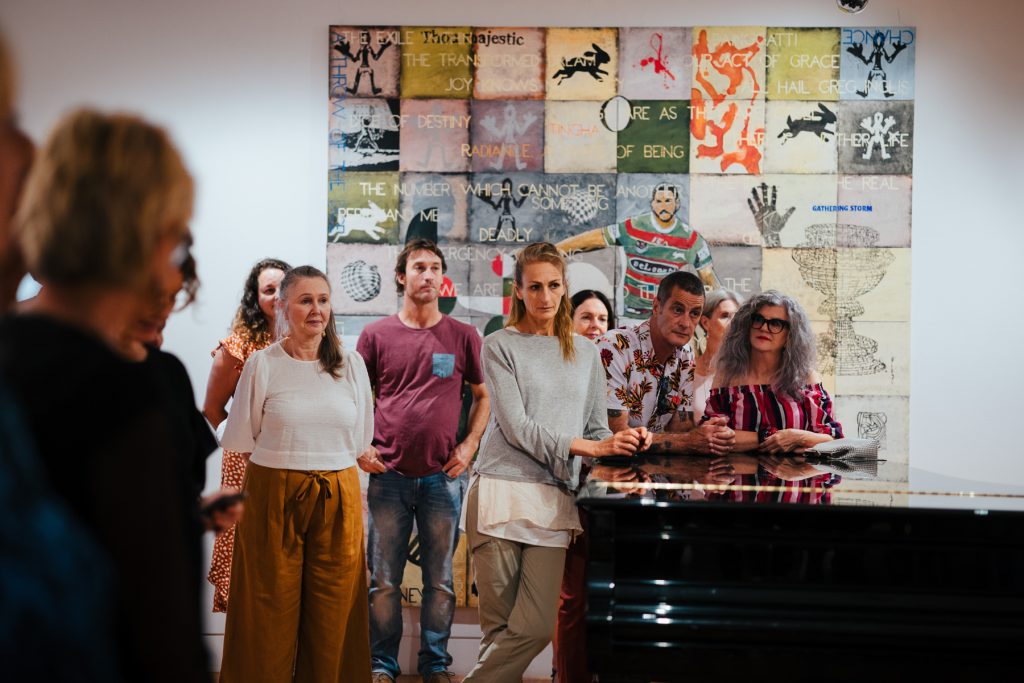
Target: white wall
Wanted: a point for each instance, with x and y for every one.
(242, 85)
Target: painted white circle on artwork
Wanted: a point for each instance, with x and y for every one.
(616, 113)
(361, 281)
(852, 6)
(588, 276)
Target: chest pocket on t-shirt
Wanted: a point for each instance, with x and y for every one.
(444, 365)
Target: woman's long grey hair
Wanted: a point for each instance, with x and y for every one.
(799, 356)
(716, 296)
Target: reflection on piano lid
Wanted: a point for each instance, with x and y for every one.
(846, 477)
(685, 585)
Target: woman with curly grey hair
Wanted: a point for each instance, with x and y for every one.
(767, 387)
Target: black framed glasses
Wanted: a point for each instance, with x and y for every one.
(774, 325)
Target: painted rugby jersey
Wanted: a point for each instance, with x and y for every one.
(651, 254)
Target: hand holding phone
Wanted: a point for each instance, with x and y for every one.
(222, 509)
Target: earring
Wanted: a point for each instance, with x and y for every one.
(324, 333)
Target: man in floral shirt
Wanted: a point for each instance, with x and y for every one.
(650, 373)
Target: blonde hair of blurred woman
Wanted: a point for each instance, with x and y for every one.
(105, 192)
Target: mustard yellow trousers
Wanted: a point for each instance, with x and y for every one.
(298, 581)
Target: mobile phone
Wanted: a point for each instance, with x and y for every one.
(223, 503)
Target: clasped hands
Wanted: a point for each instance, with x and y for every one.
(370, 461)
(715, 437)
(458, 460)
(627, 442)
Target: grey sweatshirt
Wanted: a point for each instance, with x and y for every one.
(539, 404)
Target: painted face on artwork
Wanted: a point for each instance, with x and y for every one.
(590, 318)
(268, 282)
(308, 307)
(423, 276)
(762, 338)
(719, 321)
(677, 318)
(541, 291)
(664, 206)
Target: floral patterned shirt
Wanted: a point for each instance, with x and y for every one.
(651, 391)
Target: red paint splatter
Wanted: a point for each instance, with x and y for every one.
(660, 63)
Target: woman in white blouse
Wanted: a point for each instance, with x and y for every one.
(303, 413)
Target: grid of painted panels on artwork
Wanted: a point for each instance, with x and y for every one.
(760, 157)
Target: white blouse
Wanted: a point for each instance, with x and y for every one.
(289, 414)
(701, 392)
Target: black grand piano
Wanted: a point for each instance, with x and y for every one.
(858, 580)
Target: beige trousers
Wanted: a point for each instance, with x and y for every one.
(519, 585)
(298, 581)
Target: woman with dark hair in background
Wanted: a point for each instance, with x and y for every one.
(105, 211)
(253, 329)
(720, 305)
(592, 314)
(547, 388)
(302, 414)
(767, 386)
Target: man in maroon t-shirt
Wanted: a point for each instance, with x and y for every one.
(418, 361)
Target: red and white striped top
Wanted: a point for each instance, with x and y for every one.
(753, 407)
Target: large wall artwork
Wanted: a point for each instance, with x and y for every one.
(788, 150)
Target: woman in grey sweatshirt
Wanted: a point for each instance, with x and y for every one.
(548, 407)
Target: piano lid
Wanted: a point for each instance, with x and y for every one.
(845, 478)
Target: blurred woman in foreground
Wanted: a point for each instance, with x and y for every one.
(105, 209)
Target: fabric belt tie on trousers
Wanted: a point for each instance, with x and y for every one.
(320, 487)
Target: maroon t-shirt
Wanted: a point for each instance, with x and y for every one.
(417, 376)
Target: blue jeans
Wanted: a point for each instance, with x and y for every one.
(394, 501)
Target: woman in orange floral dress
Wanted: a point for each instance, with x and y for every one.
(252, 330)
